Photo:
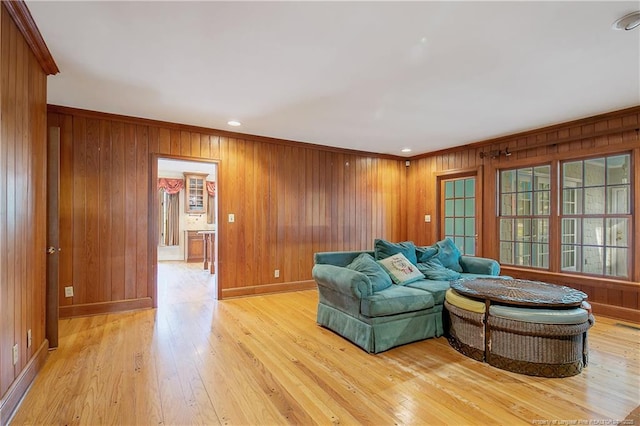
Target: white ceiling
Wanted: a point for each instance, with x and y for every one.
(371, 76)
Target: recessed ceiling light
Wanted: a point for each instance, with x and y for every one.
(627, 22)
(406, 149)
(234, 123)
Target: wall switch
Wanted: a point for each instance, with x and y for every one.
(28, 338)
(232, 218)
(427, 218)
(15, 354)
(68, 291)
(276, 273)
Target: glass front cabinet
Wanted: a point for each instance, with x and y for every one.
(195, 193)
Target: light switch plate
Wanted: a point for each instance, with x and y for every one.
(68, 291)
(232, 218)
(427, 218)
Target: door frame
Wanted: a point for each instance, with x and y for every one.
(152, 237)
(477, 173)
(53, 235)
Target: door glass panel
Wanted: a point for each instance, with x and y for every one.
(460, 212)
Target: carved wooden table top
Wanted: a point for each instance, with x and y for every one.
(520, 292)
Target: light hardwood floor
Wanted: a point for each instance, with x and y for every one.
(263, 361)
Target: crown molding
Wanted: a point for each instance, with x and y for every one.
(20, 14)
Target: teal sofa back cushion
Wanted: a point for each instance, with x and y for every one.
(384, 249)
(337, 258)
(426, 253)
(366, 264)
(449, 255)
(435, 270)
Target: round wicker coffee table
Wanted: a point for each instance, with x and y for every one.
(529, 327)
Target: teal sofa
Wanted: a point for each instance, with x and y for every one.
(358, 304)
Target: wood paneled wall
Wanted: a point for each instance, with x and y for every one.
(22, 213)
(600, 135)
(289, 200)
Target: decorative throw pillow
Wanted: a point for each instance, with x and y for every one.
(366, 264)
(425, 253)
(449, 254)
(434, 270)
(384, 249)
(400, 269)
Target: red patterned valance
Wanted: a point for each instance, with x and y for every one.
(171, 186)
(211, 188)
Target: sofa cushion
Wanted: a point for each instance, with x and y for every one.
(436, 288)
(540, 315)
(449, 254)
(384, 249)
(426, 253)
(462, 302)
(433, 269)
(400, 269)
(366, 264)
(395, 300)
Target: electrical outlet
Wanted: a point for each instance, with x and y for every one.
(232, 218)
(28, 338)
(276, 273)
(68, 291)
(427, 218)
(15, 354)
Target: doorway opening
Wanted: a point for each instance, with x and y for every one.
(184, 224)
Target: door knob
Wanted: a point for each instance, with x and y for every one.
(51, 249)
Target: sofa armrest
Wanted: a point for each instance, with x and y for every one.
(342, 280)
(479, 265)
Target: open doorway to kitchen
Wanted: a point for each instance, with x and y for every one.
(184, 223)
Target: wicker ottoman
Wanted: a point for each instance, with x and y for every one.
(466, 325)
(538, 342)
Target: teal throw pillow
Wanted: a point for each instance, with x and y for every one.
(384, 249)
(366, 264)
(400, 269)
(449, 255)
(425, 253)
(434, 270)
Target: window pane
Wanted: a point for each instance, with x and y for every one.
(593, 231)
(572, 174)
(572, 201)
(594, 200)
(470, 207)
(448, 226)
(506, 253)
(459, 241)
(470, 226)
(470, 246)
(470, 187)
(459, 188)
(540, 255)
(541, 230)
(523, 254)
(508, 205)
(524, 204)
(448, 208)
(506, 229)
(570, 231)
(523, 229)
(542, 177)
(618, 200)
(593, 260)
(459, 226)
(448, 189)
(524, 180)
(508, 181)
(617, 262)
(459, 211)
(542, 203)
(569, 258)
(617, 229)
(594, 172)
(618, 169)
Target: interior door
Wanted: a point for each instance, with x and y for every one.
(459, 212)
(53, 244)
